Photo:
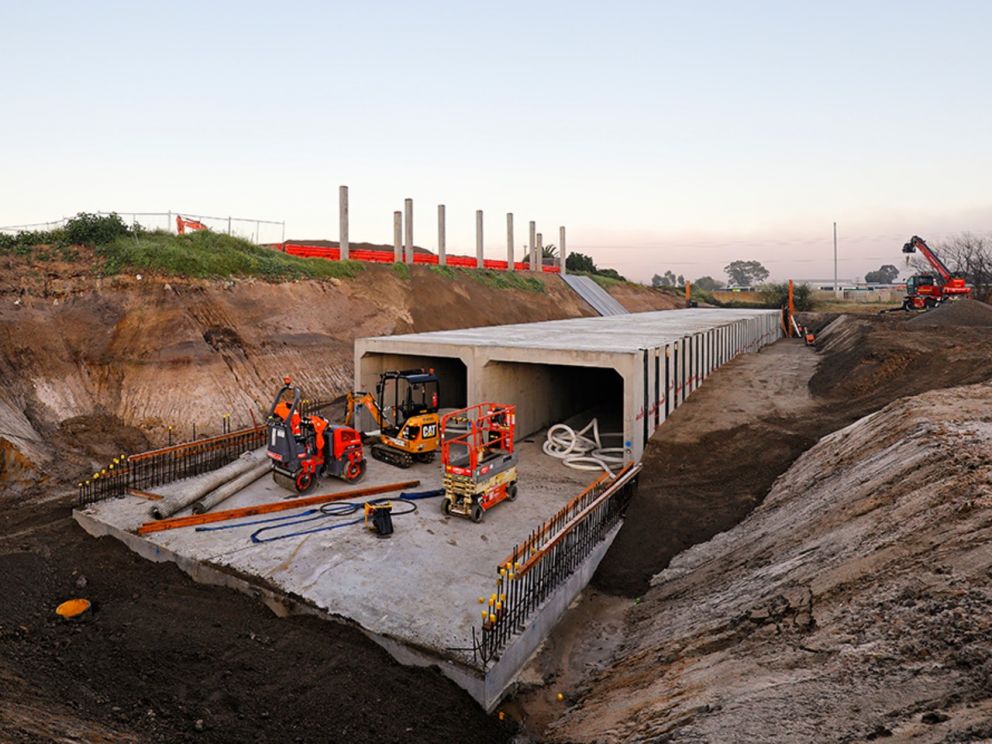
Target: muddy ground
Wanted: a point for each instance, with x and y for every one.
(716, 459)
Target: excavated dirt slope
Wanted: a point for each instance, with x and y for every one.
(853, 603)
(86, 360)
(95, 367)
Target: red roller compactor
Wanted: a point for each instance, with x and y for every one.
(302, 448)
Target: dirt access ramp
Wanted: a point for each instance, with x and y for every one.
(855, 602)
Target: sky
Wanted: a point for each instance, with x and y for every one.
(663, 135)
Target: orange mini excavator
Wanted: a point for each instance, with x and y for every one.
(305, 447)
(182, 225)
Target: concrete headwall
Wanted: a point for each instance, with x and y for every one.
(657, 375)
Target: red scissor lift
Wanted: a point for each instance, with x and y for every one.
(480, 466)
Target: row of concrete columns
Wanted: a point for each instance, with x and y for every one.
(403, 236)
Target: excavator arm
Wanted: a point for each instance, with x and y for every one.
(917, 243)
(366, 401)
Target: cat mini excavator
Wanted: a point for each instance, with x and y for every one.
(404, 408)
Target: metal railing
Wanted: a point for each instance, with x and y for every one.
(149, 469)
(539, 565)
(175, 461)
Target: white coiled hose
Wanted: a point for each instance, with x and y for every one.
(581, 452)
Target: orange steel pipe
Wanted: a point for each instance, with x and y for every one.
(200, 443)
(546, 527)
(577, 519)
(269, 507)
(792, 308)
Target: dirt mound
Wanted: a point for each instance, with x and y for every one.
(870, 361)
(162, 659)
(960, 313)
(854, 603)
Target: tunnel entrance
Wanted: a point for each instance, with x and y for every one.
(546, 394)
(451, 372)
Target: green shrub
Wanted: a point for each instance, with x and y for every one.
(210, 255)
(401, 270)
(94, 229)
(777, 295)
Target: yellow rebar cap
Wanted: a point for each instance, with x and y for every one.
(72, 608)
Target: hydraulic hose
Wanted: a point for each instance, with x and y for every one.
(581, 452)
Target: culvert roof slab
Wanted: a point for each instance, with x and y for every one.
(615, 333)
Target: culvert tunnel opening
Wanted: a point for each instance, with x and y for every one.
(547, 394)
(451, 373)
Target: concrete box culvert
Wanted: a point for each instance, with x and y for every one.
(660, 357)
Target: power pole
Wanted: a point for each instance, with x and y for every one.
(836, 286)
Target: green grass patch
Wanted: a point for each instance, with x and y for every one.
(506, 280)
(401, 270)
(446, 271)
(607, 281)
(210, 255)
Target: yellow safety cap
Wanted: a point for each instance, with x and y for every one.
(72, 608)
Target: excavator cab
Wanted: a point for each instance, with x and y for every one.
(405, 394)
(405, 408)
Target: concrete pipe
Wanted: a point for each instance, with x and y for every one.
(230, 488)
(169, 506)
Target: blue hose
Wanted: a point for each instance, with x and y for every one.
(327, 511)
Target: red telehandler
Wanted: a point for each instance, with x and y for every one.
(926, 291)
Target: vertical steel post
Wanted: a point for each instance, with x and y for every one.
(442, 258)
(343, 222)
(397, 236)
(408, 226)
(478, 239)
(531, 240)
(509, 241)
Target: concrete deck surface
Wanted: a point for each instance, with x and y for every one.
(420, 586)
(612, 333)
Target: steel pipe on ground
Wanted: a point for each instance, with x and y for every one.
(230, 488)
(169, 506)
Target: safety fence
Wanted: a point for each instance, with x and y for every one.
(159, 466)
(548, 557)
(250, 228)
(371, 255)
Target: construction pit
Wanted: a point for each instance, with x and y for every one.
(421, 592)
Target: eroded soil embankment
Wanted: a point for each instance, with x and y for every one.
(718, 455)
(853, 602)
(93, 368)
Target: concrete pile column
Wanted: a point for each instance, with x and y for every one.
(442, 259)
(509, 241)
(539, 253)
(561, 250)
(343, 221)
(397, 236)
(408, 226)
(479, 262)
(531, 240)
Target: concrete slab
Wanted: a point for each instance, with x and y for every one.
(420, 587)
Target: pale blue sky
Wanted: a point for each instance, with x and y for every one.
(663, 134)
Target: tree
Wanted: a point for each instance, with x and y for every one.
(970, 256)
(549, 251)
(580, 262)
(885, 275)
(745, 273)
(668, 279)
(708, 283)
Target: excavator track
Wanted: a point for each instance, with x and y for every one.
(392, 456)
